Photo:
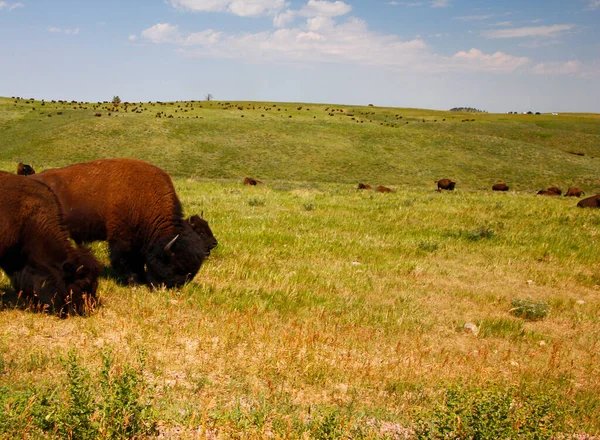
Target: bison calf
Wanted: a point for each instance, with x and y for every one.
(364, 186)
(133, 205)
(384, 189)
(251, 181)
(35, 251)
(547, 193)
(500, 187)
(445, 184)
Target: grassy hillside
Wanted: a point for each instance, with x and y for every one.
(327, 312)
(302, 142)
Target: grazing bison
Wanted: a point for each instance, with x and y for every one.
(24, 169)
(590, 202)
(35, 251)
(500, 187)
(251, 181)
(446, 184)
(555, 189)
(574, 192)
(132, 205)
(547, 192)
(364, 186)
(384, 189)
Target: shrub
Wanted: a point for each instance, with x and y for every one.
(529, 310)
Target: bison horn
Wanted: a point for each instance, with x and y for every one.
(171, 243)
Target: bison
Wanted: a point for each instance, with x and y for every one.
(446, 184)
(251, 181)
(132, 205)
(574, 192)
(24, 169)
(35, 251)
(547, 192)
(556, 190)
(384, 189)
(364, 186)
(590, 202)
(500, 187)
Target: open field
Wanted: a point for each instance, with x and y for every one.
(326, 312)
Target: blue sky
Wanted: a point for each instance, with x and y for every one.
(540, 55)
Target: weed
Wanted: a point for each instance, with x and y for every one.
(529, 309)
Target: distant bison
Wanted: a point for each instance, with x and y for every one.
(132, 205)
(555, 189)
(384, 189)
(251, 181)
(500, 187)
(574, 192)
(547, 192)
(446, 184)
(35, 251)
(24, 169)
(364, 186)
(590, 202)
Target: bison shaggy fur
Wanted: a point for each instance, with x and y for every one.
(555, 189)
(384, 189)
(574, 192)
(590, 202)
(500, 187)
(133, 205)
(35, 251)
(364, 186)
(446, 184)
(24, 169)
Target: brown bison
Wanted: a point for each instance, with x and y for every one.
(384, 189)
(500, 187)
(556, 190)
(132, 205)
(574, 192)
(364, 186)
(35, 251)
(24, 169)
(251, 181)
(446, 184)
(547, 192)
(590, 202)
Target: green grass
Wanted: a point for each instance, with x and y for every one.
(327, 312)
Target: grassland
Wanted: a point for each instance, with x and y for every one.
(326, 312)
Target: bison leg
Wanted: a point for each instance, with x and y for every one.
(127, 264)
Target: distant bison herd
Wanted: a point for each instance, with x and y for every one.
(129, 203)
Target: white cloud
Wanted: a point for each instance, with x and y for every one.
(593, 4)
(132, 37)
(318, 8)
(440, 3)
(10, 6)
(57, 30)
(162, 33)
(568, 68)
(475, 59)
(502, 24)
(243, 8)
(322, 40)
(473, 17)
(529, 31)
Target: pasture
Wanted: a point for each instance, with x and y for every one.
(326, 312)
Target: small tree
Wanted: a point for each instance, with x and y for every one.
(116, 100)
(209, 96)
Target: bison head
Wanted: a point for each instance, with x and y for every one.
(24, 169)
(81, 271)
(173, 261)
(200, 226)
